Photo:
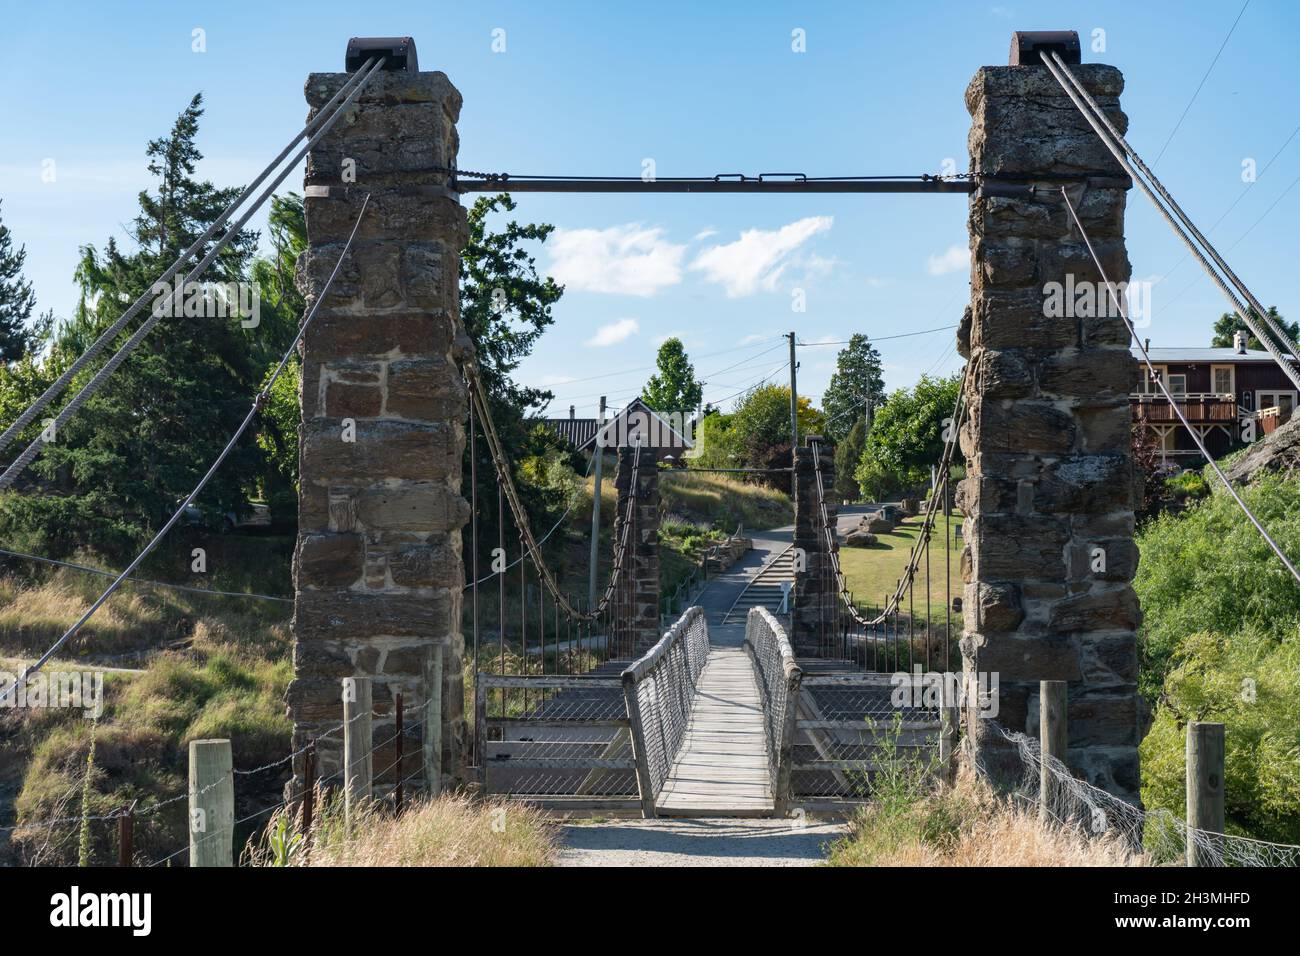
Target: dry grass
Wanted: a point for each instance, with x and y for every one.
(968, 825)
(452, 830)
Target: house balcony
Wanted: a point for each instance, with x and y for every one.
(1199, 408)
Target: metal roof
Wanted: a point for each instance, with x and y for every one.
(1228, 356)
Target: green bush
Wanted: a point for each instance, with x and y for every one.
(1189, 484)
(1249, 682)
(1209, 571)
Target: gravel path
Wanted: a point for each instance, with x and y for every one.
(707, 842)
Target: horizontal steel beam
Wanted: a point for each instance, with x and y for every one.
(749, 185)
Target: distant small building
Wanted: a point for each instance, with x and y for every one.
(1225, 395)
(635, 424)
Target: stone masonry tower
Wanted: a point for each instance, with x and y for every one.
(1050, 479)
(377, 571)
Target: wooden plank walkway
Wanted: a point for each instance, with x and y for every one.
(721, 769)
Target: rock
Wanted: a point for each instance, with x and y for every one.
(860, 539)
(875, 524)
(1278, 453)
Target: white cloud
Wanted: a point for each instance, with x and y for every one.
(704, 234)
(950, 260)
(758, 258)
(549, 380)
(624, 260)
(614, 333)
(877, 282)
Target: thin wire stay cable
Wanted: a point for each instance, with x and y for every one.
(156, 315)
(109, 334)
(1173, 403)
(230, 445)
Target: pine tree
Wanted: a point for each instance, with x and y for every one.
(17, 299)
(857, 381)
(118, 468)
(674, 387)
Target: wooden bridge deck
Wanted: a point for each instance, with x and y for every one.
(721, 769)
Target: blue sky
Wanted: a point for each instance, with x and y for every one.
(588, 88)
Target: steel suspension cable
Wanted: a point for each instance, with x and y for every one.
(528, 542)
(1123, 153)
(20, 463)
(1110, 288)
(893, 603)
(27, 417)
(258, 402)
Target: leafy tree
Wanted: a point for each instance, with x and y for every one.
(762, 421)
(674, 388)
(1230, 323)
(857, 380)
(282, 309)
(118, 468)
(907, 436)
(847, 455)
(505, 306)
(17, 300)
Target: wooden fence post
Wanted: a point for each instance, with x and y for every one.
(1053, 738)
(432, 736)
(126, 835)
(398, 730)
(308, 794)
(1205, 750)
(949, 722)
(212, 803)
(358, 742)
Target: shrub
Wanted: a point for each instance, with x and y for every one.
(1209, 571)
(1249, 682)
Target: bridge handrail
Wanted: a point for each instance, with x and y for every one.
(659, 690)
(779, 680)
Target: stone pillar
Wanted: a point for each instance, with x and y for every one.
(1049, 490)
(643, 568)
(815, 594)
(377, 572)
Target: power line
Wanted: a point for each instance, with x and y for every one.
(882, 338)
(1202, 83)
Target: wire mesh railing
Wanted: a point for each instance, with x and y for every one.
(557, 738)
(778, 682)
(659, 693)
(848, 727)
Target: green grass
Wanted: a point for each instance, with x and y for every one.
(723, 502)
(872, 573)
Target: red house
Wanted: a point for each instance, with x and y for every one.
(1228, 396)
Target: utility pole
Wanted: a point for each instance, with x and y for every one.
(794, 397)
(599, 451)
(794, 420)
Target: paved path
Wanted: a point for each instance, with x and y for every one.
(698, 843)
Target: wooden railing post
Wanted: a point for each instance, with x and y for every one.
(1205, 758)
(1053, 737)
(433, 720)
(358, 760)
(212, 803)
(644, 785)
(785, 746)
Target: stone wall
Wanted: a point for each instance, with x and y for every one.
(815, 594)
(640, 630)
(1050, 480)
(377, 571)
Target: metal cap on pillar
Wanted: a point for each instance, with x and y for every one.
(1028, 46)
(398, 53)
